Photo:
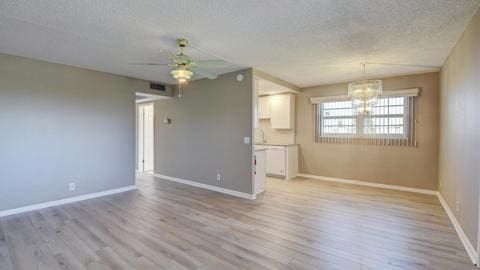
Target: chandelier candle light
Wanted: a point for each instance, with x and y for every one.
(364, 93)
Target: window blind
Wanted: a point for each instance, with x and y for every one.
(391, 123)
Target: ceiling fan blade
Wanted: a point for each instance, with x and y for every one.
(171, 55)
(213, 63)
(205, 73)
(149, 64)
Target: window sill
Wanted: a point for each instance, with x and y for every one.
(402, 142)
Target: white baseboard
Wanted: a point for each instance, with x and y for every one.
(472, 253)
(205, 186)
(260, 192)
(64, 201)
(369, 184)
(296, 175)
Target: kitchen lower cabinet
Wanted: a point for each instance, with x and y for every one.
(276, 161)
(260, 171)
(282, 161)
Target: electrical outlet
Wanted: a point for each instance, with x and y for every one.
(246, 140)
(457, 206)
(71, 186)
(219, 177)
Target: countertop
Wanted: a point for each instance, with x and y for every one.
(276, 144)
(260, 148)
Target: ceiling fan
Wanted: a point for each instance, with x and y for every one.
(184, 67)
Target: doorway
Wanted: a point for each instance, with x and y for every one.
(145, 138)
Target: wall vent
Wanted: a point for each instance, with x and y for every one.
(156, 86)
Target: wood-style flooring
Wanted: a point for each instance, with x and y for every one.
(297, 224)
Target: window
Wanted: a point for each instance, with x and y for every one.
(338, 119)
(390, 119)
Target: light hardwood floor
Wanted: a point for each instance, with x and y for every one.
(298, 224)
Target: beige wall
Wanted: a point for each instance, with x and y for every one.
(62, 124)
(459, 162)
(403, 166)
(206, 134)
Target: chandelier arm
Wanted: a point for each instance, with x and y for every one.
(364, 71)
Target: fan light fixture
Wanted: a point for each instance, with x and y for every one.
(184, 67)
(182, 75)
(364, 93)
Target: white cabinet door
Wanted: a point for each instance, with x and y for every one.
(282, 109)
(264, 107)
(291, 161)
(276, 161)
(260, 171)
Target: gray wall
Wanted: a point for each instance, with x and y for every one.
(414, 167)
(60, 124)
(459, 162)
(206, 134)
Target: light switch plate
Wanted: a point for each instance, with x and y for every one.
(246, 140)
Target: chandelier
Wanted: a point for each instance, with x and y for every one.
(364, 93)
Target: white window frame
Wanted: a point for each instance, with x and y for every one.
(408, 139)
(406, 122)
(360, 120)
(321, 125)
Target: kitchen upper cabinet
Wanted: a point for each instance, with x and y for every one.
(282, 111)
(264, 107)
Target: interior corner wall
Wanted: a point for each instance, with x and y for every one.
(459, 161)
(61, 124)
(414, 167)
(206, 133)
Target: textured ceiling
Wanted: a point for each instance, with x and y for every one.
(304, 42)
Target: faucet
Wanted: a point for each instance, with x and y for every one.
(262, 136)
